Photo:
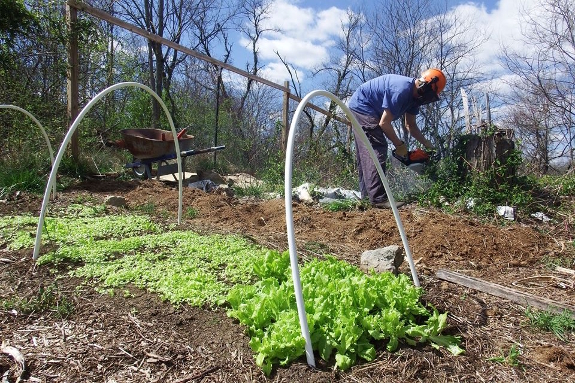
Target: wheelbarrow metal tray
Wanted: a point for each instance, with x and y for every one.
(152, 143)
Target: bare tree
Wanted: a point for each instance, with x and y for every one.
(252, 106)
(213, 21)
(532, 125)
(197, 23)
(453, 41)
(343, 61)
(344, 66)
(544, 64)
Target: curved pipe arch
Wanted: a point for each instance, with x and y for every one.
(14, 107)
(67, 138)
(289, 211)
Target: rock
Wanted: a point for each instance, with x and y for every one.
(205, 185)
(382, 260)
(243, 180)
(115, 201)
(303, 193)
(211, 176)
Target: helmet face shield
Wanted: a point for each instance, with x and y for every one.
(427, 91)
(427, 97)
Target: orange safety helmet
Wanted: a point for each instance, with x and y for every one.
(436, 84)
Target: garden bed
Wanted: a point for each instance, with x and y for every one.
(137, 337)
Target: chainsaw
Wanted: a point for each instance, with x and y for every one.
(414, 160)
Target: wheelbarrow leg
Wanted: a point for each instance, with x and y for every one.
(170, 168)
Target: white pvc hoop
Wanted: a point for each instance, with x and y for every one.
(289, 211)
(43, 134)
(67, 138)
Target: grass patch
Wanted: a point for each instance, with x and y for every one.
(47, 300)
(346, 205)
(147, 208)
(192, 213)
(21, 175)
(255, 190)
(560, 324)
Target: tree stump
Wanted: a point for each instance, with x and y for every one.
(482, 153)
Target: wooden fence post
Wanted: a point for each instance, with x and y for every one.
(73, 70)
(285, 117)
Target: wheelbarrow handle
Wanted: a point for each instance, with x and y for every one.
(191, 152)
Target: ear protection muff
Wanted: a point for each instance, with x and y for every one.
(426, 91)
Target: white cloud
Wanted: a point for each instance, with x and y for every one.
(502, 26)
(329, 23)
(301, 35)
(303, 54)
(277, 72)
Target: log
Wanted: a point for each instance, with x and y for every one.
(505, 292)
(565, 271)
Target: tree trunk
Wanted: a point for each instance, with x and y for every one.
(484, 153)
(73, 75)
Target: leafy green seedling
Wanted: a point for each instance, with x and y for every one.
(512, 358)
(348, 312)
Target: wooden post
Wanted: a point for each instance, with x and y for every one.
(285, 117)
(73, 69)
(219, 81)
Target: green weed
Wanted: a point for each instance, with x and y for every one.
(47, 300)
(511, 359)
(254, 190)
(192, 213)
(147, 208)
(346, 205)
(566, 259)
(559, 324)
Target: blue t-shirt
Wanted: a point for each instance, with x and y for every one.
(390, 91)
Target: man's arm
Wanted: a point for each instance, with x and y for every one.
(385, 125)
(411, 126)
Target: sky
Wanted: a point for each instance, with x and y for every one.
(310, 27)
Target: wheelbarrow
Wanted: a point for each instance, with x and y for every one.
(156, 146)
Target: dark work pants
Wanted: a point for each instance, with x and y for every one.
(370, 184)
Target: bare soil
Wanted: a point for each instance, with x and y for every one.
(143, 339)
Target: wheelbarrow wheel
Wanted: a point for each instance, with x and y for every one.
(143, 171)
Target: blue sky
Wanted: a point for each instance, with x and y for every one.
(309, 28)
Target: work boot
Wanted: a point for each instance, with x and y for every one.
(387, 205)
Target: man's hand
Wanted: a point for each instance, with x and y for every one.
(428, 145)
(401, 150)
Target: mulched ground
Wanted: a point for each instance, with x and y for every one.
(136, 337)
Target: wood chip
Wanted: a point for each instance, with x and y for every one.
(17, 356)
